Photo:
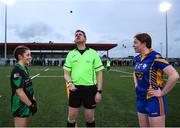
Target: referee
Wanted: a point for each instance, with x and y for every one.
(83, 72)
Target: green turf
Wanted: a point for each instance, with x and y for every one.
(116, 109)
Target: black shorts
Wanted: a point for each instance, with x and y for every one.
(83, 95)
(22, 111)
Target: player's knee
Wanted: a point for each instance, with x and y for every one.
(89, 117)
(72, 116)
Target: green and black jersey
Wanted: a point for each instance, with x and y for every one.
(20, 79)
(83, 67)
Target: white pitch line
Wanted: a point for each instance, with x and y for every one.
(46, 69)
(40, 76)
(121, 71)
(35, 76)
(49, 76)
(132, 73)
(125, 76)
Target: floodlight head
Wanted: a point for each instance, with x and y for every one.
(165, 6)
(8, 2)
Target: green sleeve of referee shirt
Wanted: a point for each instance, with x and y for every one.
(67, 66)
(98, 66)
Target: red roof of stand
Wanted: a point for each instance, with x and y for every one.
(57, 46)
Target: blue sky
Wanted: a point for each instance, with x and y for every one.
(104, 21)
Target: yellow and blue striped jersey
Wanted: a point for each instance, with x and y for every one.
(149, 72)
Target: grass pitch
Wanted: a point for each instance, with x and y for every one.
(116, 109)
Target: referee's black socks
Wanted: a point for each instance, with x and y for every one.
(92, 124)
(71, 124)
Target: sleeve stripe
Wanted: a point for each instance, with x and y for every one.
(162, 60)
(67, 66)
(98, 67)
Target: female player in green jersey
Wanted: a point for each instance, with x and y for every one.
(23, 103)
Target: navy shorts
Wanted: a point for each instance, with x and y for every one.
(153, 107)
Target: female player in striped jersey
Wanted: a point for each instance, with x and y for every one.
(150, 87)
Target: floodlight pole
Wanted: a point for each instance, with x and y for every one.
(161, 47)
(164, 7)
(5, 35)
(166, 36)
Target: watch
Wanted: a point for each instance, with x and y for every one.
(99, 91)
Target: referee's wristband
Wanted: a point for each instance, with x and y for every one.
(99, 91)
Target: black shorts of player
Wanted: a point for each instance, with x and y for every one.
(22, 112)
(84, 95)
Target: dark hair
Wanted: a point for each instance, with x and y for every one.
(144, 38)
(20, 50)
(82, 32)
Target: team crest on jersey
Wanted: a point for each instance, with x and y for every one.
(139, 75)
(88, 61)
(138, 66)
(75, 61)
(144, 66)
(16, 75)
